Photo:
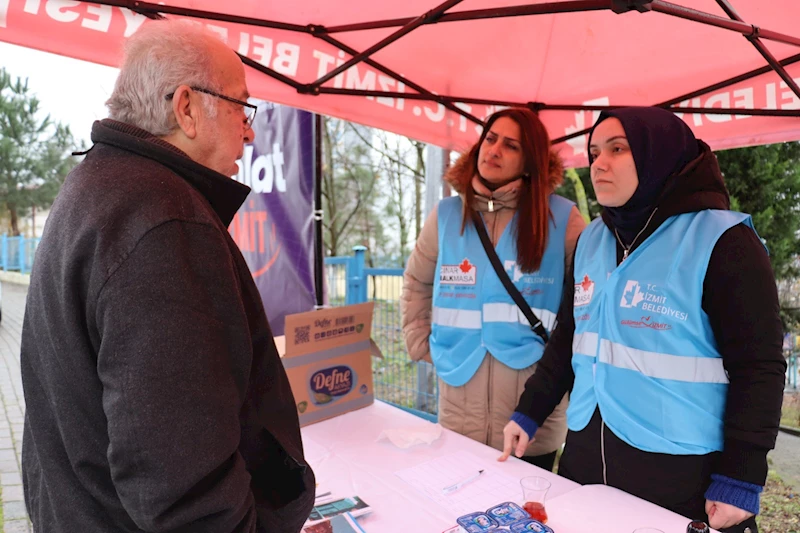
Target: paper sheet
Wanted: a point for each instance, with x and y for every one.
(491, 488)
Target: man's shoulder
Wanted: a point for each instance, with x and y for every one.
(114, 184)
(111, 201)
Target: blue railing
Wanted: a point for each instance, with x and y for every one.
(792, 370)
(17, 253)
(398, 380)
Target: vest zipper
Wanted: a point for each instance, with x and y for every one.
(603, 450)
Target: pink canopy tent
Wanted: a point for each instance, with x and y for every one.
(433, 71)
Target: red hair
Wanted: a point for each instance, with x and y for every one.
(542, 174)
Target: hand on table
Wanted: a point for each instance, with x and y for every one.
(724, 515)
(514, 437)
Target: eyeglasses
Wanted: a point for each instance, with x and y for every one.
(249, 109)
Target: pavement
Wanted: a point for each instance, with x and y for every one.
(784, 459)
(12, 416)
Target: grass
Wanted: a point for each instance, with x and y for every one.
(396, 377)
(780, 507)
(790, 415)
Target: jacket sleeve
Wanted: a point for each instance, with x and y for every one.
(417, 298)
(171, 321)
(741, 300)
(554, 376)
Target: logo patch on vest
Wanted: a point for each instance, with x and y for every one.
(646, 322)
(583, 292)
(516, 275)
(649, 299)
(463, 274)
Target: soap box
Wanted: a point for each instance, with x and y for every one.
(327, 355)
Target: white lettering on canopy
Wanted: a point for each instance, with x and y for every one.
(744, 98)
(58, 10)
(132, 21)
(103, 20)
(97, 17)
(3, 12)
(283, 57)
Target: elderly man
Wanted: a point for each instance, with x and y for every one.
(156, 400)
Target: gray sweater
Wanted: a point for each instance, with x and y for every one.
(156, 400)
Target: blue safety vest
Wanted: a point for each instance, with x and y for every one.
(472, 311)
(644, 351)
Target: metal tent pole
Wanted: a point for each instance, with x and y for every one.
(319, 254)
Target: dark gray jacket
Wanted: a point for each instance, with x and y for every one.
(156, 400)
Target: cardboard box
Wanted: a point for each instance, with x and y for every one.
(327, 355)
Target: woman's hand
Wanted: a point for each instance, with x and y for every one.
(724, 515)
(514, 437)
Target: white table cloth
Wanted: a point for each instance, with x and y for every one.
(602, 509)
(349, 461)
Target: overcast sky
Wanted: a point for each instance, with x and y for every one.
(71, 91)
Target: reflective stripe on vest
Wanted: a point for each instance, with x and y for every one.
(493, 312)
(456, 318)
(653, 364)
(644, 351)
(472, 312)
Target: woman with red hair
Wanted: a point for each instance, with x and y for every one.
(457, 311)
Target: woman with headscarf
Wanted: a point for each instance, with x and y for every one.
(457, 313)
(669, 336)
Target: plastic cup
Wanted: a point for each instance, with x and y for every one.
(534, 494)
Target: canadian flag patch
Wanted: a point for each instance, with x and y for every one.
(584, 292)
(464, 273)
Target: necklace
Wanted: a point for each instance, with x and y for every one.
(626, 249)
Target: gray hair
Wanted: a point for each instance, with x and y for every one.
(159, 57)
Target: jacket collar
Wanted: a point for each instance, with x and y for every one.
(223, 193)
(505, 197)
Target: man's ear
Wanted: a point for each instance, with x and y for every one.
(186, 110)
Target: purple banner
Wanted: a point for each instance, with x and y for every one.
(274, 228)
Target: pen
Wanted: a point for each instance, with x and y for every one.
(455, 487)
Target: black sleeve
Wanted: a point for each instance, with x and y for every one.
(741, 300)
(554, 376)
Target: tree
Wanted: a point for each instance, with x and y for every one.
(764, 181)
(348, 189)
(34, 152)
(401, 165)
(577, 186)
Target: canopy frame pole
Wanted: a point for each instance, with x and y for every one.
(550, 8)
(538, 106)
(424, 93)
(149, 8)
(437, 15)
(762, 49)
(271, 73)
(319, 252)
(433, 14)
(748, 30)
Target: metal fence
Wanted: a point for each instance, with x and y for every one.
(17, 253)
(792, 370)
(406, 384)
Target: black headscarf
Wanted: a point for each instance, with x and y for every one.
(661, 145)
